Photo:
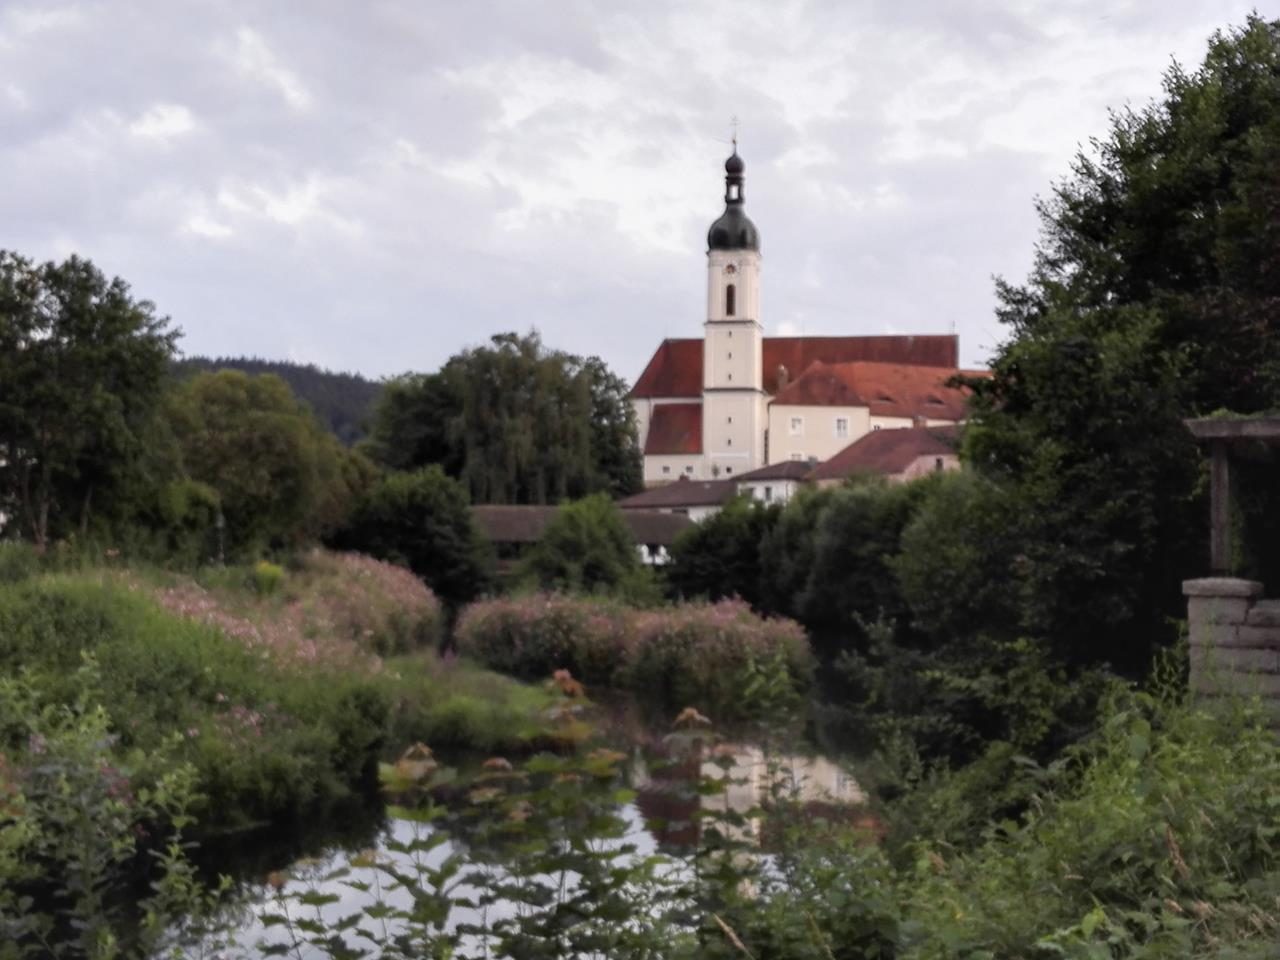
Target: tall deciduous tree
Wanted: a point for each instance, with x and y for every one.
(281, 477)
(82, 369)
(515, 422)
(1155, 296)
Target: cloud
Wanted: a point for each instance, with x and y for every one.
(255, 60)
(375, 186)
(163, 122)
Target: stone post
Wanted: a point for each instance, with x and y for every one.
(1235, 641)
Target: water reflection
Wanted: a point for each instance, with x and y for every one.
(664, 817)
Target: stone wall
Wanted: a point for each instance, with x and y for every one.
(1235, 641)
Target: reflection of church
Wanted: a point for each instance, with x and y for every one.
(668, 797)
(736, 400)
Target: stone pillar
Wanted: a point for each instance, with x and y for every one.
(1235, 641)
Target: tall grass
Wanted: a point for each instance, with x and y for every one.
(279, 700)
(703, 655)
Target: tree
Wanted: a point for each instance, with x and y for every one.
(1153, 298)
(956, 559)
(341, 401)
(720, 556)
(515, 422)
(422, 520)
(281, 478)
(83, 366)
(587, 547)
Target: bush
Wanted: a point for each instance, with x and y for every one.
(700, 654)
(267, 577)
(531, 636)
(586, 547)
(703, 655)
(422, 520)
(719, 557)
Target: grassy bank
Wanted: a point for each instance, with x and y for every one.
(281, 687)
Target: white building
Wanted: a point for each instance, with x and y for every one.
(734, 400)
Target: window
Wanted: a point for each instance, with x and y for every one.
(768, 494)
(797, 426)
(797, 456)
(730, 354)
(937, 463)
(688, 469)
(730, 300)
(842, 426)
(728, 419)
(666, 469)
(728, 376)
(730, 334)
(728, 470)
(876, 427)
(728, 442)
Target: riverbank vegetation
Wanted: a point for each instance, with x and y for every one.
(720, 657)
(998, 648)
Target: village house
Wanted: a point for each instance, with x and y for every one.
(735, 401)
(897, 455)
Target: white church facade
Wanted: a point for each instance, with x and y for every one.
(734, 400)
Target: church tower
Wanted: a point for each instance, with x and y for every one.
(733, 397)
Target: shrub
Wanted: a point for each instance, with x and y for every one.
(533, 635)
(698, 654)
(720, 556)
(267, 577)
(703, 655)
(422, 520)
(586, 547)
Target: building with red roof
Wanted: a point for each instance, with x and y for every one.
(735, 400)
(899, 454)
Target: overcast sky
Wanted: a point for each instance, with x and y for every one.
(373, 185)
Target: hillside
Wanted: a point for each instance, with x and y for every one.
(343, 401)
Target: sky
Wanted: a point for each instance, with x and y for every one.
(372, 186)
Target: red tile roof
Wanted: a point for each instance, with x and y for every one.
(887, 452)
(888, 389)
(674, 429)
(799, 353)
(783, 470)
(675, 370)
(683, 493)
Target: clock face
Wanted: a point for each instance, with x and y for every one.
(731, 269)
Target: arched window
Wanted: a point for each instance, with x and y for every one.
(730, 299)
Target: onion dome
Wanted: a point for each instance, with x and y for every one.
(734, 229)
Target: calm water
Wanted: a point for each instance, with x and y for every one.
(659, 819)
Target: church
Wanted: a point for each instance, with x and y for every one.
(734, 400)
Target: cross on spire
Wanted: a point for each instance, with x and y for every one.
(733, 128)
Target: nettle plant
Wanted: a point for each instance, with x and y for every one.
(81, 830)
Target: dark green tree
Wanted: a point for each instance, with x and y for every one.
(1153, 298)
(515, 422)
(422, 520)
(720, 556)
(586, 547)
(82, 371)
(343, 401)
(282, 479)
(956, 559)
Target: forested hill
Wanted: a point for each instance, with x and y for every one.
(343, 401)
